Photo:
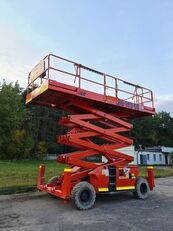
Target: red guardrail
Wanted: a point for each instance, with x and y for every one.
(65, 71)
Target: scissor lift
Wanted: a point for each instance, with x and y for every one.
(99, 107)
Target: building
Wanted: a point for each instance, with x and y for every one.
(154, 155)
(159, 155)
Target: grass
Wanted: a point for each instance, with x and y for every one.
(24, 173)
(158, 172)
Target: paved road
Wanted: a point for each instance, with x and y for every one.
(37, 211)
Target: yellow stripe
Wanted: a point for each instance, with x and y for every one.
(149, 167)
(44, 89)
(125, 188)
(67, 170)
(103, 189)
(28, 100)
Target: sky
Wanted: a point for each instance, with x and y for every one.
(132, 39)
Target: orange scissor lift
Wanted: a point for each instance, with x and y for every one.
(99, 107)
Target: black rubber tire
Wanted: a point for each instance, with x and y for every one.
(83, 195)
(142, 188)
(51, 181)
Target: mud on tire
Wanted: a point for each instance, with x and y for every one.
(83, 195)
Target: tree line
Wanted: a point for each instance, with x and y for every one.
(28, 131)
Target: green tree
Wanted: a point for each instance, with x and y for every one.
(29, 130)
(156, 130)
(12, 117)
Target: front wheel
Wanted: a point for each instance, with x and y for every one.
(142, 188)
(83, 195)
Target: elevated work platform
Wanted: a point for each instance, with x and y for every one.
(57, 82)
(100, 106)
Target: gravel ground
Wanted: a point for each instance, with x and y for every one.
(38, 212)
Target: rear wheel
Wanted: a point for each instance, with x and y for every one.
(142, 188)
(83, 195)
(51, 181)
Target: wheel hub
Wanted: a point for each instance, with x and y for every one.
(85, 196)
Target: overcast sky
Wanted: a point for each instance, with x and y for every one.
(132, 39)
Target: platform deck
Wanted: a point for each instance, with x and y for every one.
(53, 86)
